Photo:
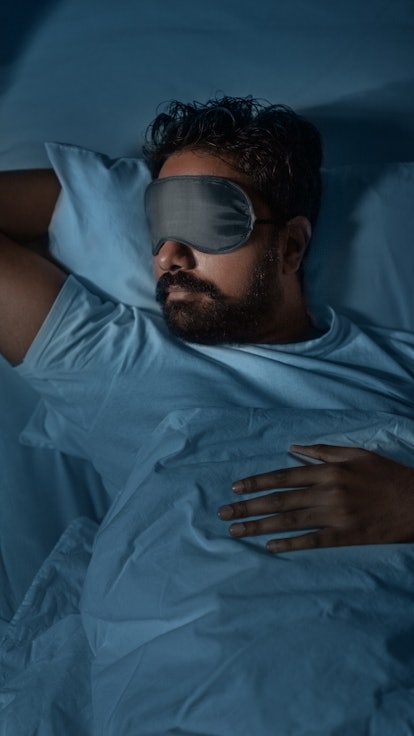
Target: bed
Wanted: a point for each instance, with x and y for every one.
(99, 634)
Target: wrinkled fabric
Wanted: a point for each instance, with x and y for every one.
(109, 373)
(194, 632)
(44, 655)
(41, 492)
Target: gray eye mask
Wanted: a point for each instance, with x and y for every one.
(209, 213)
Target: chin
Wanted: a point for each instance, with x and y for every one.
(206, 326)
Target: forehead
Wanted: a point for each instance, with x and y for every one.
(202, 163)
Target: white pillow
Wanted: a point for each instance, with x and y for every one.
(98, 229)
(360, 259)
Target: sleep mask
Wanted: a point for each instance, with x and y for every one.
(209, 213)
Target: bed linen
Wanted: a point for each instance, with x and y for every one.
(92, 74)
(194, 633)
(191, 632)
(44, 655)
(41, 492)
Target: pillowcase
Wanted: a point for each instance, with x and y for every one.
(360, 259)
(98, 229)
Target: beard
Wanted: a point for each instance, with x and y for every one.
(218, 319)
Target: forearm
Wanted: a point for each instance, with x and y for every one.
(27, 201)
(28, 287)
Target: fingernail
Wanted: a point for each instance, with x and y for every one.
(237, 486)
(237, 530)
(273, 546)
(225, 513)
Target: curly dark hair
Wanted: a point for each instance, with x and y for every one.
(279, 150)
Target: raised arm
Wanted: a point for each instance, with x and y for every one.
(29, 284)
(27, 201)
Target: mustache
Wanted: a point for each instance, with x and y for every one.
(188, 282)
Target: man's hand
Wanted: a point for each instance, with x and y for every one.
(353, 497)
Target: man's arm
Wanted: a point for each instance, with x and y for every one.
(29, 284)
(27, 201)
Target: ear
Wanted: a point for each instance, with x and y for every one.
(295, 237)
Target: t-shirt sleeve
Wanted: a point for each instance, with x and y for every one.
(81, 347)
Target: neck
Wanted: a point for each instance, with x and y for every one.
(292, 323)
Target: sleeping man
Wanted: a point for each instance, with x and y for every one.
(234, 197)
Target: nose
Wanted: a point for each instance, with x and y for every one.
(174, 256)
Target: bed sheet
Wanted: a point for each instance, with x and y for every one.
(44, 656)
(191, 632)
(41, 491)
(228, 638)
(93, 73)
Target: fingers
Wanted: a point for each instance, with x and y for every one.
(313, 540)
(328, 453)
(309, 518)
(272, 503)
(330, 498)
(299, 477)
(302, 476)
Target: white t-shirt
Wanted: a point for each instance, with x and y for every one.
(109, 373)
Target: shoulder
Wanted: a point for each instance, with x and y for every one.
(86, 328)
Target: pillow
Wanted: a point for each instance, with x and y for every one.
(98, 229)
(360, 259)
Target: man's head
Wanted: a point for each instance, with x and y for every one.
(249, 292)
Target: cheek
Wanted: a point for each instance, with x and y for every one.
(230, 272)
(156, 269)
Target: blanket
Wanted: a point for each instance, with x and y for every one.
(173, 627)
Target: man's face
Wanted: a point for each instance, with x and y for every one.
(218, 298)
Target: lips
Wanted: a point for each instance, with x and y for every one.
(172, 289)
(183, 286)
(177, 293)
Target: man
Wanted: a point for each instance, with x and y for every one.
(285, 195)
(235, 195)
